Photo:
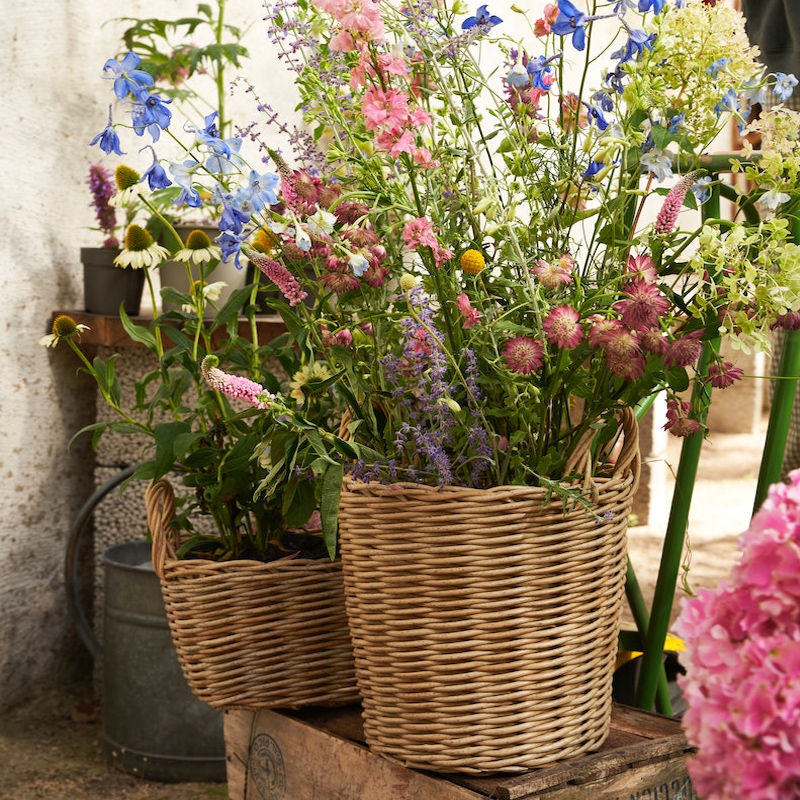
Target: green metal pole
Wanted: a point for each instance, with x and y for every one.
(672, 551)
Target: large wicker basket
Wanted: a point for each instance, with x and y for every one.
(251, 634)
(485, 622)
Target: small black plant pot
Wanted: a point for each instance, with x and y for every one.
(106, 287)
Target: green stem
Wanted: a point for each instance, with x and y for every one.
(674, 539)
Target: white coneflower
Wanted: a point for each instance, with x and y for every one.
(64, 327)
(198, 249)
(140, 249)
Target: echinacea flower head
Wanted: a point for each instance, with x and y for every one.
(562, 327)
(64, 327)
(140, 249)
(126, 177)
(198, 249)
(523, 354)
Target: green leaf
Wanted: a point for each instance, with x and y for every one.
(137, 332)
(329, 505)
(165, 436)
(678, 379)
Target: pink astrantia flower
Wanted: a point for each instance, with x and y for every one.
(642, 268)
(679, 422)
(743, 663)
(470, 315)
(722, 375)
(523, 354)
(234, 385)
(644, 303)
(562, 327)
(553, 275)
(281, 277)
(684, 351)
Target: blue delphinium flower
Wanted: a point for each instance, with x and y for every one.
(150, 113)
(263, 187)
(593, 168)
(651, 5)
(570, 21)
(715, 67)
(182, 174)
(595, 113)
(676, 123)
(634, 47)
(784, 85)
(700, 188)
(658, 162)
(482, 19)
(156, 175)
(540, 72)
(128, 79)
(728, 102)
(108, 139)
(754, 91)
(230, 244)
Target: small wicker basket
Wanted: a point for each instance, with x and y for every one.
(252, 634)
(485, 622)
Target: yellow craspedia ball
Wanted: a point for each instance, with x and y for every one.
(472, 261)
(407, 282)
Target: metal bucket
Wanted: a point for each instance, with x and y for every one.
(153, 726)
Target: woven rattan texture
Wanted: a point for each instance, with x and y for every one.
(250, 634)
(485, 622)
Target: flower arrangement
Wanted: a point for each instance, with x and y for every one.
(479, 242)
(742, 647)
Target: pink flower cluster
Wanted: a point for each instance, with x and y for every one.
(235, 385)
(360, 21)
(419, 233)
(743, 663)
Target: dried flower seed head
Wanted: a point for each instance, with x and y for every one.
(407, 282)
(126, 177)
(472, 261)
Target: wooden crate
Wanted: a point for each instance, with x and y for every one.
(319, 754)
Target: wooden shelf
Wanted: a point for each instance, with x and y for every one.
(107, 331)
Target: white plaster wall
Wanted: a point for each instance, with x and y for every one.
(51, 58)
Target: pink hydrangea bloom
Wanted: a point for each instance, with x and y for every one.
(743, 663)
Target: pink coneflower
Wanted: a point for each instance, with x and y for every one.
(281, 277)
(523, 354)
(551, 276)
(668, 215)
(470, 314)
(644, 303)
(723, 375)
(679, 423)
(642, 268)
(684, 351)
(562, 327)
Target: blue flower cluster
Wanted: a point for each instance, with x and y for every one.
(211, 155)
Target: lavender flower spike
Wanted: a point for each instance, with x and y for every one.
(234, 385)
(668, 216)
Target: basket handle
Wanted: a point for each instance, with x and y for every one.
(629, 457)
(160, 501)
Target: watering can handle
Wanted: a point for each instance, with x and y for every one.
(71, 581)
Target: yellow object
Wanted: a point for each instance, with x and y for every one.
(472, 261)
(672, 644)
